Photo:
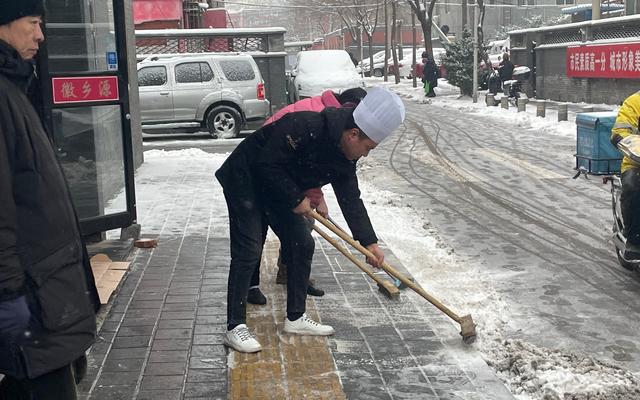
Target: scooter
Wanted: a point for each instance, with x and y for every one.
(513, 87)
(629, 146)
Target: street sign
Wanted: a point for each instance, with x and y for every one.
(604, 61)
(85, 89)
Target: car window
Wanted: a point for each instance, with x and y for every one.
(237, 70)
(152, 76)
(192, 72)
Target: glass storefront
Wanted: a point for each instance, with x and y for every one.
(90, 147)
(88, 112)
(80, 36)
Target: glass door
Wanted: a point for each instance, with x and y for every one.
(86, 108)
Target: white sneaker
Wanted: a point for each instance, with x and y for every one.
(307, 326)
(240, 339)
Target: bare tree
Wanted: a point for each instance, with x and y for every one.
(359, 17)
(425, 16)
(481, 47)
(396, 72)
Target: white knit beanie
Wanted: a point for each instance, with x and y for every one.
(379, 113)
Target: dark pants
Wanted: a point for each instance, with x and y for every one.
(56, 385)
(630, 205)
(248, 223)
(283, 258)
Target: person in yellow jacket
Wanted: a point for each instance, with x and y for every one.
(627, 124)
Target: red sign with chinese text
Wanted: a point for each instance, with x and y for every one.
(85, 89)
(604, 61)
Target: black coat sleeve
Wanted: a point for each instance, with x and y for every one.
(11, 271)
(285, 140)
(353, 209)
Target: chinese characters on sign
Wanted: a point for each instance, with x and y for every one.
(85, 89)
(604, 61)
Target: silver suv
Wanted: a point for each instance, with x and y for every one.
(218, 91)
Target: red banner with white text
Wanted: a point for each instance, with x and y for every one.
(85, 89)
(604, 61)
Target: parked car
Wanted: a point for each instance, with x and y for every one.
(319, 70)
(404, 64)
(438, 52)
(378, 65)
(220, 92)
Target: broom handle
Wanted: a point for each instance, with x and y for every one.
(347, 254)
(388, 268)
(342, 229)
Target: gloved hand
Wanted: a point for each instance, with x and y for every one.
(14, 318)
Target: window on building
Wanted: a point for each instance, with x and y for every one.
(237, 70)
(193, 72)
(152, 76)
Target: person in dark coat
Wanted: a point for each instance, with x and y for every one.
(348, 98)
(430, 76)
(47, 319)
(505, 68)
(264, 180)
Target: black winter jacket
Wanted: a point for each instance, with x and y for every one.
(299, 151)
(41, 252)
(431, 73)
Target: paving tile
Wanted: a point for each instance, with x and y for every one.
(208, 339)
(138, 321)
(159, 394)
(123, 364)
(118, 354)
(178, 315)
(179, 307)
(208, 362)
(209, 328)
(171, 344)
(207, 375)
(131, 341)
(145, 330)
(205, 389)
(118, 379)
(173, 333)
(175, 324)
(113, 393)
(162, 382)
(169, 356)
(165, 368)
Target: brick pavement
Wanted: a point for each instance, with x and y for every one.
(162, 336)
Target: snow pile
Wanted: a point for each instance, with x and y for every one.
(180, 154)
(551, 375)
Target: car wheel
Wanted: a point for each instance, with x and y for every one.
(377, 72)
(223, 122)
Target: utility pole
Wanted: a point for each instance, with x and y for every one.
(475, 53)
(360, 40)
(464, 15)
(386, 42)
(595, 9)
(413, 32)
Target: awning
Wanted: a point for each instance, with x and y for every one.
(157, 10)
(587, 7)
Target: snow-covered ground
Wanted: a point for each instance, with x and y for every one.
(530, 372)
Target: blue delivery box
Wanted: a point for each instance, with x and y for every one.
(595, 153)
